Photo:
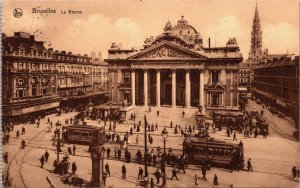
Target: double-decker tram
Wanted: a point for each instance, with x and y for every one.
(215, 153)
(82, 133)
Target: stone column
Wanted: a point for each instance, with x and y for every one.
(173, 88)
(187, 89)
(158, 88)
(132, 87)
(201, 90)
(146, 87)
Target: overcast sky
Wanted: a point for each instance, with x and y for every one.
(130, 22)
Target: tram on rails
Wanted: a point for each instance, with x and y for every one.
(82, 134)
(214, 153)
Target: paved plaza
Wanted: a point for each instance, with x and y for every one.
(272, 158)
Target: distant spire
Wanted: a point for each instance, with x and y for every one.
(256, 53)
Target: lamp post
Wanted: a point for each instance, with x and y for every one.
(145, 159)
(164, 133)
(58, 126)
(110, 117)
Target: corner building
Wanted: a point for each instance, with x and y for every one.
(174, 69)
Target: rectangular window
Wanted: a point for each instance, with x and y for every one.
(215, 76)
(215, 100)
(126, 77)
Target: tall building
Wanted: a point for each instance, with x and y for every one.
(29, 77)
(276, 83)
(174, 69)
(36, 80)
(245, 76)
(256, 52)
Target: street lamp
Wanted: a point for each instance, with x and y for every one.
(58, 126)
(164, 133)
(110, 117)
(145, 159)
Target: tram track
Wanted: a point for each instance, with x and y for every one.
(27, 150)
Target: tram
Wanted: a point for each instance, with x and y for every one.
(82, 133)
(215, 153)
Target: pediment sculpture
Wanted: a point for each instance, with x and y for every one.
(166, 52)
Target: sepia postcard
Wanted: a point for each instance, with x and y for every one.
(150, 93)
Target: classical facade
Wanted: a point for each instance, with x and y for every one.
(175, 69)
(36, 79)
(277, 84)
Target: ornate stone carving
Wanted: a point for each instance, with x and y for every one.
(166, 52)
(168, 27)
(232, 42)
(149, 39)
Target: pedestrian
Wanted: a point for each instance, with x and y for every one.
(157, 176)
(107, 170)
(203, 170)
(171, 124)
(123, 172)
(42, 160)
(137, 139)
(74, 149)
(23, 144)
(104, 175)
(18, 134)
(234, 137)
(69, 149)
(5, 157)
(7, 138)
(249, 165)
(183, 113)
(196, 179)
(151, 183)
(294, 171)
(157, 112)
(46, 156)
(149, 108)
(115, 150)
(216, 180)
(241, 144)
(181, 165)
(108, 152)
(119, 153)
(74, 167)
(156, 127)
(140, 174)
(174, 174)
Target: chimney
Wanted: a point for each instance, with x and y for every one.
(208, 42)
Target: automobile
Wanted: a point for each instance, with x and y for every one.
(258, 101)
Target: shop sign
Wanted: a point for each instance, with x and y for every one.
(35, 108)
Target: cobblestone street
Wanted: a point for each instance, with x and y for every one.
(269, 162)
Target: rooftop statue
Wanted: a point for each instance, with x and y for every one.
(168, 26)
(232, 41)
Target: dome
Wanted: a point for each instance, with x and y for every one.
(182, 34)
(186, 32)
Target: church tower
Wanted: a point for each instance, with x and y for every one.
(256, 53)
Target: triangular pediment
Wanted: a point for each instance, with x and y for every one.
(215, 86)
(167, 50)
